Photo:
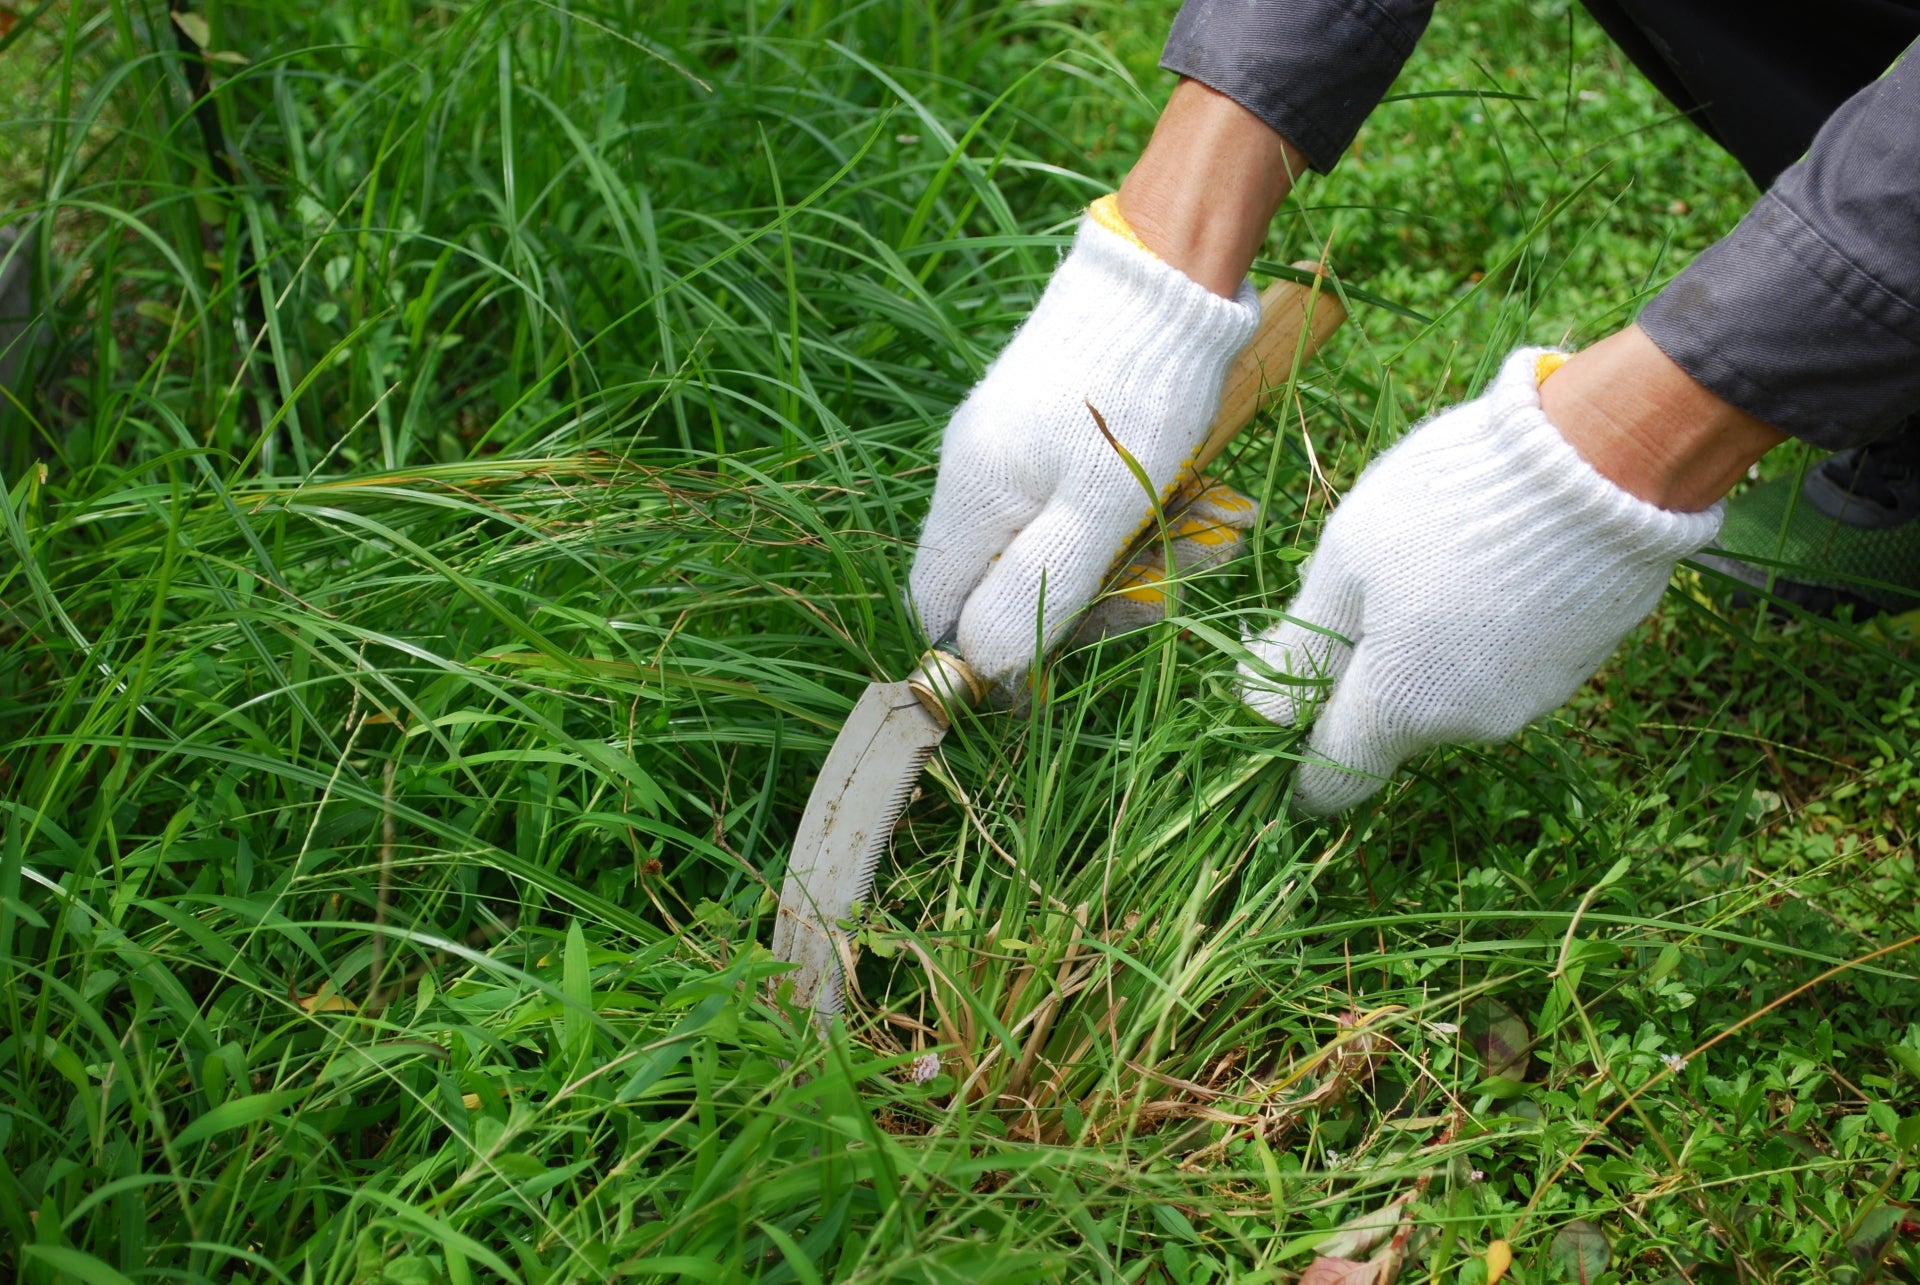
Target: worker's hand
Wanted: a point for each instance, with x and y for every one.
(1033, 503)
(1207, 526)
(1473, 578)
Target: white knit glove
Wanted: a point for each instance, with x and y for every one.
(1207, 526)
(1030, 491)
(1473, 578)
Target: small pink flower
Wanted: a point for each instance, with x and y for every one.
(925, 1067)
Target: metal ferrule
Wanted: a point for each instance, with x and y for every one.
(942, 682)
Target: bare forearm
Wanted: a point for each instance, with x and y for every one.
(1207, 186)
(1647, 426)
(1205, 192)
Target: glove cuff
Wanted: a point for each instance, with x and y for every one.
(1535, 469)
(1117, 286)
(1106, 212)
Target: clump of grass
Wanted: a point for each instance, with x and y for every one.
(457, 511)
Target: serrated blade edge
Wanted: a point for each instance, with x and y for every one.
(865, 782)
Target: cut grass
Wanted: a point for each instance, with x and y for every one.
(441, 558)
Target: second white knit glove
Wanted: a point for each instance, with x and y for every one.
(1472, 579)
(1033, 504)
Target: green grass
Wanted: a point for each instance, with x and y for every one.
(437, 560)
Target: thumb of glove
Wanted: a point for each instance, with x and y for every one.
(1356, 743)
(1303, 657)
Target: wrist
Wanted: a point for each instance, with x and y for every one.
(1205, 190)
(1648, 427)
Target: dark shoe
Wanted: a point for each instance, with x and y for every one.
(1848, 537)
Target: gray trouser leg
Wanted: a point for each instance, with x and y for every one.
(1759, 77)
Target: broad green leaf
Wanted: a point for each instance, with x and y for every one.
(668, 1053)
(76, 1263)
(1580, 1251)
(1499, 1037)
(1869, 1241)
(576, 984)
(237, 1114)
(803, 1269)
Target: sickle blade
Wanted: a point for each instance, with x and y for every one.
(865, 782)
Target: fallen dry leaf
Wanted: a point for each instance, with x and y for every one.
(194, 26)
(1499, 1258)
(1360, 1235)
(1343, 1271)
(324, 1000)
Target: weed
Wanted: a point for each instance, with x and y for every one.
(470, 482)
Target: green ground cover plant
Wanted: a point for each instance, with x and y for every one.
(472, 476)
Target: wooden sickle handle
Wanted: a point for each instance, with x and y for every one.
(1288, 311)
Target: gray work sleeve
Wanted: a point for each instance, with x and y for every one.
(1808, 314)
(1312, 69)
